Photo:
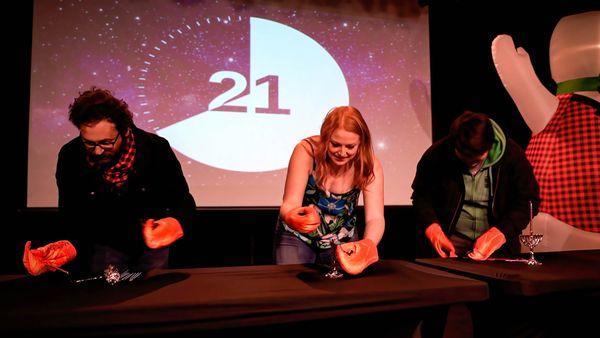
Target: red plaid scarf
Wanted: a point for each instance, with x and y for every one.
(119, 173)
(565, 157)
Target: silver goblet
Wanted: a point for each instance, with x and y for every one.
(531, 241)
(334, 273)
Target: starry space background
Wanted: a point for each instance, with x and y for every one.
(157, 55)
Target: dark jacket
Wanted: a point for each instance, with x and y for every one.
(438, 191)
(95, 212)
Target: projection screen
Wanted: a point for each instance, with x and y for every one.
(233, 86)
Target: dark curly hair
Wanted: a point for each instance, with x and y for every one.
(473, 133)
(95, 105)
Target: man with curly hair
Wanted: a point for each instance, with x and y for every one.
(121, 190)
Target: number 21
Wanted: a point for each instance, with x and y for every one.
(219, 103)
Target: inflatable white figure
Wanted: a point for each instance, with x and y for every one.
(565, 145)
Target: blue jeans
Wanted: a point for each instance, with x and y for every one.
(289, 249)
(147, 260)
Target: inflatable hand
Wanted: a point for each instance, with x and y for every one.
(486, 244)
(303, 219)
(354, 257)
(439, 241)
(48, 258)
(535, 102)
(161, 233)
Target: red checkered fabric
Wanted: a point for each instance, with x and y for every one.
(119, 173)
(566, 162)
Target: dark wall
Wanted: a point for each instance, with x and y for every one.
(17, 59)
(462, 77)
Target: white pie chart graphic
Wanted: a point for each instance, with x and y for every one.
(310, 83)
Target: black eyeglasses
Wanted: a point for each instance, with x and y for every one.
(104, 144)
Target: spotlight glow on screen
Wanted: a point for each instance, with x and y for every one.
(233, 86)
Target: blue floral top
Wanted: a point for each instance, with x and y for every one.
(337, 211)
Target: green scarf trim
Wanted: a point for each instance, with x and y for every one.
(583, 84)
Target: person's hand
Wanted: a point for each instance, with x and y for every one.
(439, 241)
(354, 257)
(161, 233)
(48, 258)
(303, 219)
(486, 244)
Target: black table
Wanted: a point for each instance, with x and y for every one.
(293, 300)
(559, 272)
(558, 298)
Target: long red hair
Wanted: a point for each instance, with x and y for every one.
(349, 119)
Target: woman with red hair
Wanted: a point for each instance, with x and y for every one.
(325, 177)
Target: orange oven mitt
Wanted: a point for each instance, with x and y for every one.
(161, 233)
(486, 244)
(439, 241)
(303, 219)
(354, 257)
(49, 257)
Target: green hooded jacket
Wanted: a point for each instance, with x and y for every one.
(473, 220)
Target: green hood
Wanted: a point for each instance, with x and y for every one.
(498, 147)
